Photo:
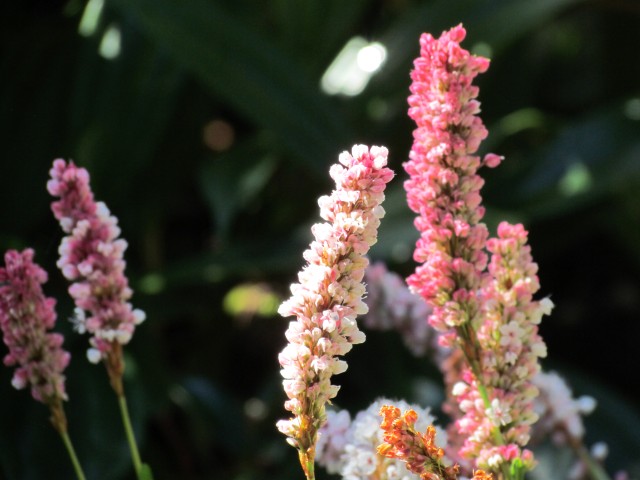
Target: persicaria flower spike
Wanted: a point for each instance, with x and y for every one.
(444, 188)
(487, 309)
(510, 349)
(328, 297)
(91, 256)
(26, 316)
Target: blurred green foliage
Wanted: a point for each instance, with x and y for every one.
(205, 130)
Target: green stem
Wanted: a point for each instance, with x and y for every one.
(72, 454)
(495, 431)
(596, 472)
(307, 461)
(311, 474)
(133, 446)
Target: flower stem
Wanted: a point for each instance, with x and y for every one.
(596, 472)
(495, 431)
(307, 461)
(133, 446)
(72, 454)
(59, 422)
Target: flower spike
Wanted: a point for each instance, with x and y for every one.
(480, 289)
(91, 256)
(26, 315)
(328, 297)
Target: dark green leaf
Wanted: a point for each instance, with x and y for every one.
(244, 69)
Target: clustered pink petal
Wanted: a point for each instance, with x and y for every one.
(486, 308)
(91, 256)
(26, 315)
(329, 294)
(444, 187)
(510, 348)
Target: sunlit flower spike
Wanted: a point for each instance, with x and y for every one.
(328, 297)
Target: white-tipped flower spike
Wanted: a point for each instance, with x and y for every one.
(329, 294)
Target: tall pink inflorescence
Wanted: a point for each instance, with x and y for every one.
(91, 256)
(329, 294)
(26, 316)
(485, 309)
(444, 187)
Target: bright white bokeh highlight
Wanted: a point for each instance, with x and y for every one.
(353, 67)
(110, 44)
(90, 18)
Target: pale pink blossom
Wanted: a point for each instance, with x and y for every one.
(328, 297)
(560, 413)
(26, 316)
(392, 306)
(510, 346)
(91, 256)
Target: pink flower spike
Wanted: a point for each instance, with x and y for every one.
(91, 256)
(26, 315)
(484, 308)
(329, 294)
(443, 186)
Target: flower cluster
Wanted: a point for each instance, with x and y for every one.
(25, 317)
(444, 187)
(329, 295)
(91, 256)
(509, 350)
(392, 306)
(404, 441)
(487, 309)
(349, 448)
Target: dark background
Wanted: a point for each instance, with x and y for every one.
(209, 138)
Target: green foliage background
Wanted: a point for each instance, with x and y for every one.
(562, 103)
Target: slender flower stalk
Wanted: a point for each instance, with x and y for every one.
(26, 316)
(329, 295)
(91, 257)
(485, 309)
